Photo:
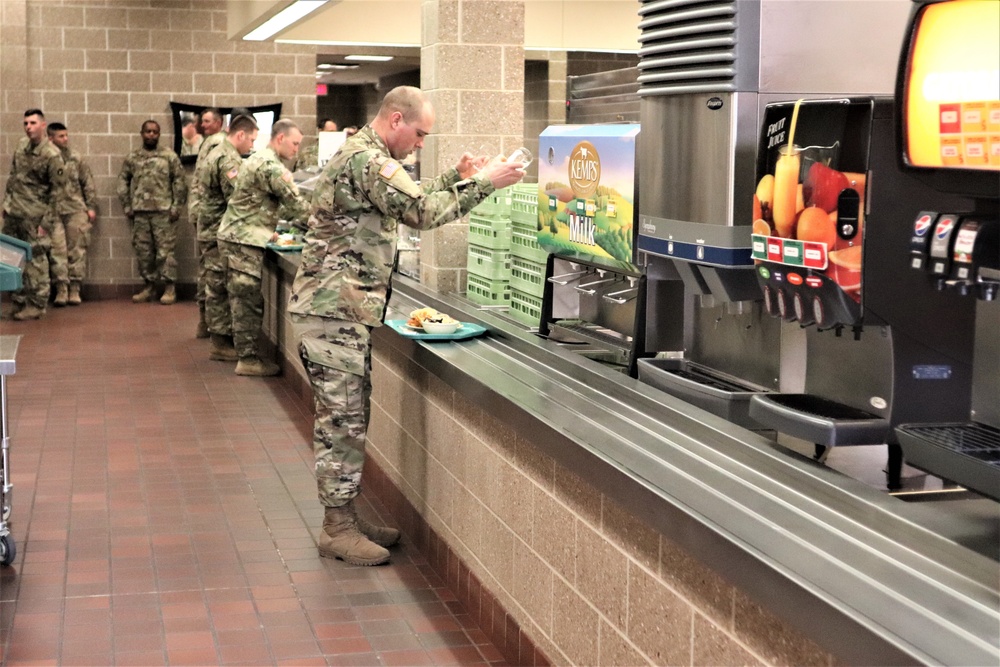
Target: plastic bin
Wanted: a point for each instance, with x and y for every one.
(489, 232)
(525, 308)
(489, 263)
(497, 205)
(524, 203)
(524, 242)
(527, 276)
(487, 292)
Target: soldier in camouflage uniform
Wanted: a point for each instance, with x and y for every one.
(216, 180)
(36, 179)
(309, 156)
(73, 216)
(340, 290)
(264, 193)
(152, 190)
(210, 122)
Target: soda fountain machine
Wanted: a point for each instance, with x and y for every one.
(948, 135)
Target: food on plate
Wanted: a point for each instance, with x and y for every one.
(421, 315)
(286, 239)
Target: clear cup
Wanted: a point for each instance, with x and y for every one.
(521, 155)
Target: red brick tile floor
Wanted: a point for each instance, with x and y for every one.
(164, 513)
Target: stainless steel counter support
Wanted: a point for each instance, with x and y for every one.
(854, 569)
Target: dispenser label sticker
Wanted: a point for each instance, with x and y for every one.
(922, 224)
(792, 253)
(944, 228)
(965, 242)
(932, 372)
(809, 254)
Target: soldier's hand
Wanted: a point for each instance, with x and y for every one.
(92, 215)
(468, 165)
(502, 174)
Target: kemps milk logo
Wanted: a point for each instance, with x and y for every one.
(584, 170)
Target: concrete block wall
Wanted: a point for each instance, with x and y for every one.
(554, 571)
(102, 67)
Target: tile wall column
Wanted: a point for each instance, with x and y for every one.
(13, 76)
(472, 68)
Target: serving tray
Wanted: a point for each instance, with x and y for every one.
(466, 330)
(286, 248)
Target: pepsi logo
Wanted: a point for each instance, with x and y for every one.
(922, 224)
(944, 228)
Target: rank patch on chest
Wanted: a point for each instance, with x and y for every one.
(388, 170)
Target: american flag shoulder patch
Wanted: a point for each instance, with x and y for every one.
(388, 169)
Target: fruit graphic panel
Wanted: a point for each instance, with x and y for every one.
(808, 208)
(586, 181)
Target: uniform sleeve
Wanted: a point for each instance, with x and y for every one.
(87, 186)
(294, 207)
(10, 180)
(178, 184)
(445, 180)
(56, 167)
(394, 193)
(229, 169)
(125, 184)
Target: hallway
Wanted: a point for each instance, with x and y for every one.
(164, 513)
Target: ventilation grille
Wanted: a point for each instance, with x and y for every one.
(687, 46)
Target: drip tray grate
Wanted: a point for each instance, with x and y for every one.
(701, 377)
(976, 440)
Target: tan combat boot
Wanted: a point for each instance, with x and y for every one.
(169, 295)
(144, 296)
(222, 349)
(62, 295)
(256, 367)
(74, 294)
(384, 536)
(202, 330)
(29, 312)
(342, 539)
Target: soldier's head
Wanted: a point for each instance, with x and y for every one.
(285, 139)
(327, 125)
(150, 134)
(242, 133)
(58, 134)
(34, 125)
(211, 121)
(189, 128)
(404, 119)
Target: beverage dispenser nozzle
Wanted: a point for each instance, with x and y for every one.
(987, 291)
(857, 331)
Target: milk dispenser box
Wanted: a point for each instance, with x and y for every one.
(586, 191)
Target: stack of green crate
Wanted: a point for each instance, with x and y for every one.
(489, 251)
(527, 281)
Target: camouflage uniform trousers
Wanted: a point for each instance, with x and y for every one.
(154, 236)
(244, 268)
(212, 275)
(68, 252)
(35, 284)
(337, 358)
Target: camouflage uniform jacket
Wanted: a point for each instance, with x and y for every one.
(78, 192)
(208, 144)
(361, 199)
(152, 181)
(216, 181)
(36, 177)
(308, 156)
(264, 192)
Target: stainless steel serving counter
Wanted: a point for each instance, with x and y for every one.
(872, 579)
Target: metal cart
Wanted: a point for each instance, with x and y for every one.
(14, 254)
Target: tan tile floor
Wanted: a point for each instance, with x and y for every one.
(164, 513)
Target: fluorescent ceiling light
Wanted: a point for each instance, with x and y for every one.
(369, 59)
(286, 17)
(326, 42)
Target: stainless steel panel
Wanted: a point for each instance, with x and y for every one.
(698, 163)
(604, 97)
(831, 46)
(858, 373)
(744, 345)
(986, 370)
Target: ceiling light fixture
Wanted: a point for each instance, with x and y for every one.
(369, 59)
(286, 17)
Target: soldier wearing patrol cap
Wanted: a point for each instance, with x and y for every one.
(264, 192)
(35, 183)
(152, 191)
(339, 293)
(216, 180)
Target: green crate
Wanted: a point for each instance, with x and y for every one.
(524, 242)
(487, 292)
(497, 205)
(489, 232)
(489, 263)
(524, 203)
(527, 276)
(525, 308)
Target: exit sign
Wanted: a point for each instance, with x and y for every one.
(320, 89)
